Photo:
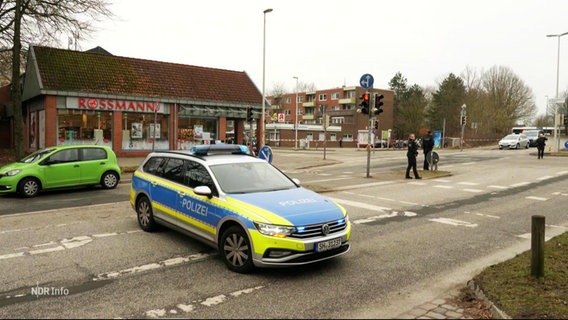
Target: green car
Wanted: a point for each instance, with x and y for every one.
(61, 167)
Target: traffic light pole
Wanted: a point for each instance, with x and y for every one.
(370, 143)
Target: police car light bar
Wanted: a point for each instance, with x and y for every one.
(207, 150)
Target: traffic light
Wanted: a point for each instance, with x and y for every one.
(566, 119)
(249, 114)
(378, 103)
(364, 103)
(463, 120)
(376, 124)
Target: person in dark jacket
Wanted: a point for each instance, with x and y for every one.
(540, 144)
(411, 155)
(427, 146)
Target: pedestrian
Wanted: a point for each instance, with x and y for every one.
(540, 144)
(411, 155)
(427, 146)
(340, 142)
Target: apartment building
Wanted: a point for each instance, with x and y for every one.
(311, 109)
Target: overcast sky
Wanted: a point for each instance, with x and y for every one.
(332, 43)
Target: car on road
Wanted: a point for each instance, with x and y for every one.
(61, 167)
(532, 135)
(243, 206)
(514, 141)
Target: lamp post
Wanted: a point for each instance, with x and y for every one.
(296, 118)
(557, 80)
(263, 78)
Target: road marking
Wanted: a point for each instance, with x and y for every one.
(418, 183)
(442, 186)
(488, 216)
(473, 190)
(360, 205)
(151, 266)
(497, 187)
(64, 244)
(207, 302)
(454, 222)
(443, 180)
(469, 183)
(536, 198)
(520, 184)
(385, 216)
(467, 163)
(544, 178)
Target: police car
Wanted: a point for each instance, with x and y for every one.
(246, 208)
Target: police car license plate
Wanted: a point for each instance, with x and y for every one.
(328, 245)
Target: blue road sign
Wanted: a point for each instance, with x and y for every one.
(566, 144)
(265, 153)
(366, 81)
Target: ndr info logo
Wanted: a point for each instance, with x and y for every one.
(49, 291)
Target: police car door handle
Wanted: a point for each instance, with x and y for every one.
(181, 194)
(154, 183)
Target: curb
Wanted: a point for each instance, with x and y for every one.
(497, 313)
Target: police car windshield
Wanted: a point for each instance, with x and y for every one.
(250, 177)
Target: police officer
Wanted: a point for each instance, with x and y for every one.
(411, 155)
(540, 144)
(427, 146)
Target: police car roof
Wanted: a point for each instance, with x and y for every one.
(221, 153)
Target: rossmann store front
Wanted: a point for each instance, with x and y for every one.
(132, 105)
(129, 127)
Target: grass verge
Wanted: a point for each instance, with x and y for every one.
(510, 286)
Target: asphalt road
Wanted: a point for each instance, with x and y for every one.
(412, 240)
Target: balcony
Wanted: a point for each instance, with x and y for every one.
(308, 117)
(309, 104)
(347, 101)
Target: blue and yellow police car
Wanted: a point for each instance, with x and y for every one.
(246, 208)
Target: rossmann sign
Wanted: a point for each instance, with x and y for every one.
(98, 104)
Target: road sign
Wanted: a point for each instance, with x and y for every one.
(265, 153)
(366, 81)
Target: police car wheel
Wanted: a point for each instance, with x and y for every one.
(109, 180)
(236, 250)
(145, 215)
(29, 187)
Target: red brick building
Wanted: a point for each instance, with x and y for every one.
(339, 105)
(131, 105)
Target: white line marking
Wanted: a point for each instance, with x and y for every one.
(150, 266)
(488, 216)
(536, 198)
(520, 184)
(443, 180)
(444, 187)
(544, 178)
(497, 187)
(360, 205)
(454, 222)
(418, 183)
(467, 163)
(386, 216)
(469, 183)
(473, 190)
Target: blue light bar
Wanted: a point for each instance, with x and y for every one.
(211, 149)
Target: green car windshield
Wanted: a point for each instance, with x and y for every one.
(35, 156)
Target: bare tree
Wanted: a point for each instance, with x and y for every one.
(508, 99)
(33, 21)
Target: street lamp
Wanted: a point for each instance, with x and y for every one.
(263, 78)
(557, 80)
(296, 117)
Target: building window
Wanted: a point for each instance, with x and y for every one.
(349, 94)
(287, 112)
(333, 137)
(347, 137)
(310, 110)
(84, 127)
(322, 97)
(310, 98)
(337, 120)
(349, 107)
(335, 108)
(288, 100)
(310, 136)
(300, 99)
(335, 96)
(142, 131)
(193, 131)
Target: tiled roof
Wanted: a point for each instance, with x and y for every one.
(89, 72)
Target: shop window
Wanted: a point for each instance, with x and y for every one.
(196, 131)
(84, 127)
(145, 131)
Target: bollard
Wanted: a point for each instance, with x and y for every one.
(537, 246)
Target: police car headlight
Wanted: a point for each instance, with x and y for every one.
(13, 172)
(274, 230)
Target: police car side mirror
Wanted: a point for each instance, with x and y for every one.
(203, 191)
(296, 181)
